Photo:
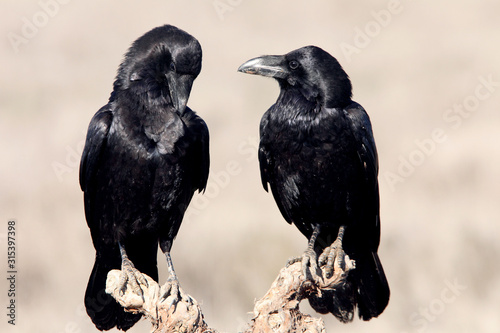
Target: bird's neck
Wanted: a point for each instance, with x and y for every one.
(296, 104)
(295, 110)
(142, 110)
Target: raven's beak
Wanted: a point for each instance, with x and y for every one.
(272, 66)
(179, 88)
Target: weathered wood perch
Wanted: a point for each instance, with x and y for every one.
(277, 311)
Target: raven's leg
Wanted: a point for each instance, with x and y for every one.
(129, 274)
(170, 267)
(334, 255)
(172, 287)
(172, 284)
(309, 258)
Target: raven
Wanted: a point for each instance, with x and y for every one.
(145, 155)
(317, 153)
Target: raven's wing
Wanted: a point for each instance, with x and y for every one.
(200, 147)
(96, 141)
(362, 131)
(205, 155)
(263, 153)
(373, 289)
(267, 168)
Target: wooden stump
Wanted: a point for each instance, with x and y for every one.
(278, 311)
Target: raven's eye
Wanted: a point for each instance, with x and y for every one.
(172, 67)
(294, 64)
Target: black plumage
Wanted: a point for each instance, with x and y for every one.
(145, 155)
(318, 156)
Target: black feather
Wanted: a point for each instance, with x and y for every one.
(318, 156)
(145, 155)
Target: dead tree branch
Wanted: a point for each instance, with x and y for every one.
(277, 311)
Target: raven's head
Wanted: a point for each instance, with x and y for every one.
(163, 64)
(312, 71)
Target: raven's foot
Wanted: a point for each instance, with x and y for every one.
(309, 260)
(171, 292)
(130, 275)
(334, 258)
(310, 265)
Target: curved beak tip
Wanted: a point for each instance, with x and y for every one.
(179, 92)
(242, 69)
(265, 66)
(251, 66)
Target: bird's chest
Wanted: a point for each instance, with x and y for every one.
(143, 163)
(315, 145)
(311, 166)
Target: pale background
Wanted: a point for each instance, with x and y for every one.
(440, 219)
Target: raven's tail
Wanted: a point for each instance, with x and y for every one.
(372, 287)
(104, 311)
(366, 286)
(340, 302)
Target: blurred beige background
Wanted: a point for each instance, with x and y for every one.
(428, 73)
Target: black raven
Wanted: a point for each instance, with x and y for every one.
(318, 155)
(145, 155)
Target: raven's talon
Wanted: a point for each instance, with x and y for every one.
(172, 294)
(130, 275)
(292, 261)
(171, 287)
(310, 267)
(333, 259)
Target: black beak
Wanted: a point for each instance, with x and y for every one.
(272, 66)
(179, 88)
